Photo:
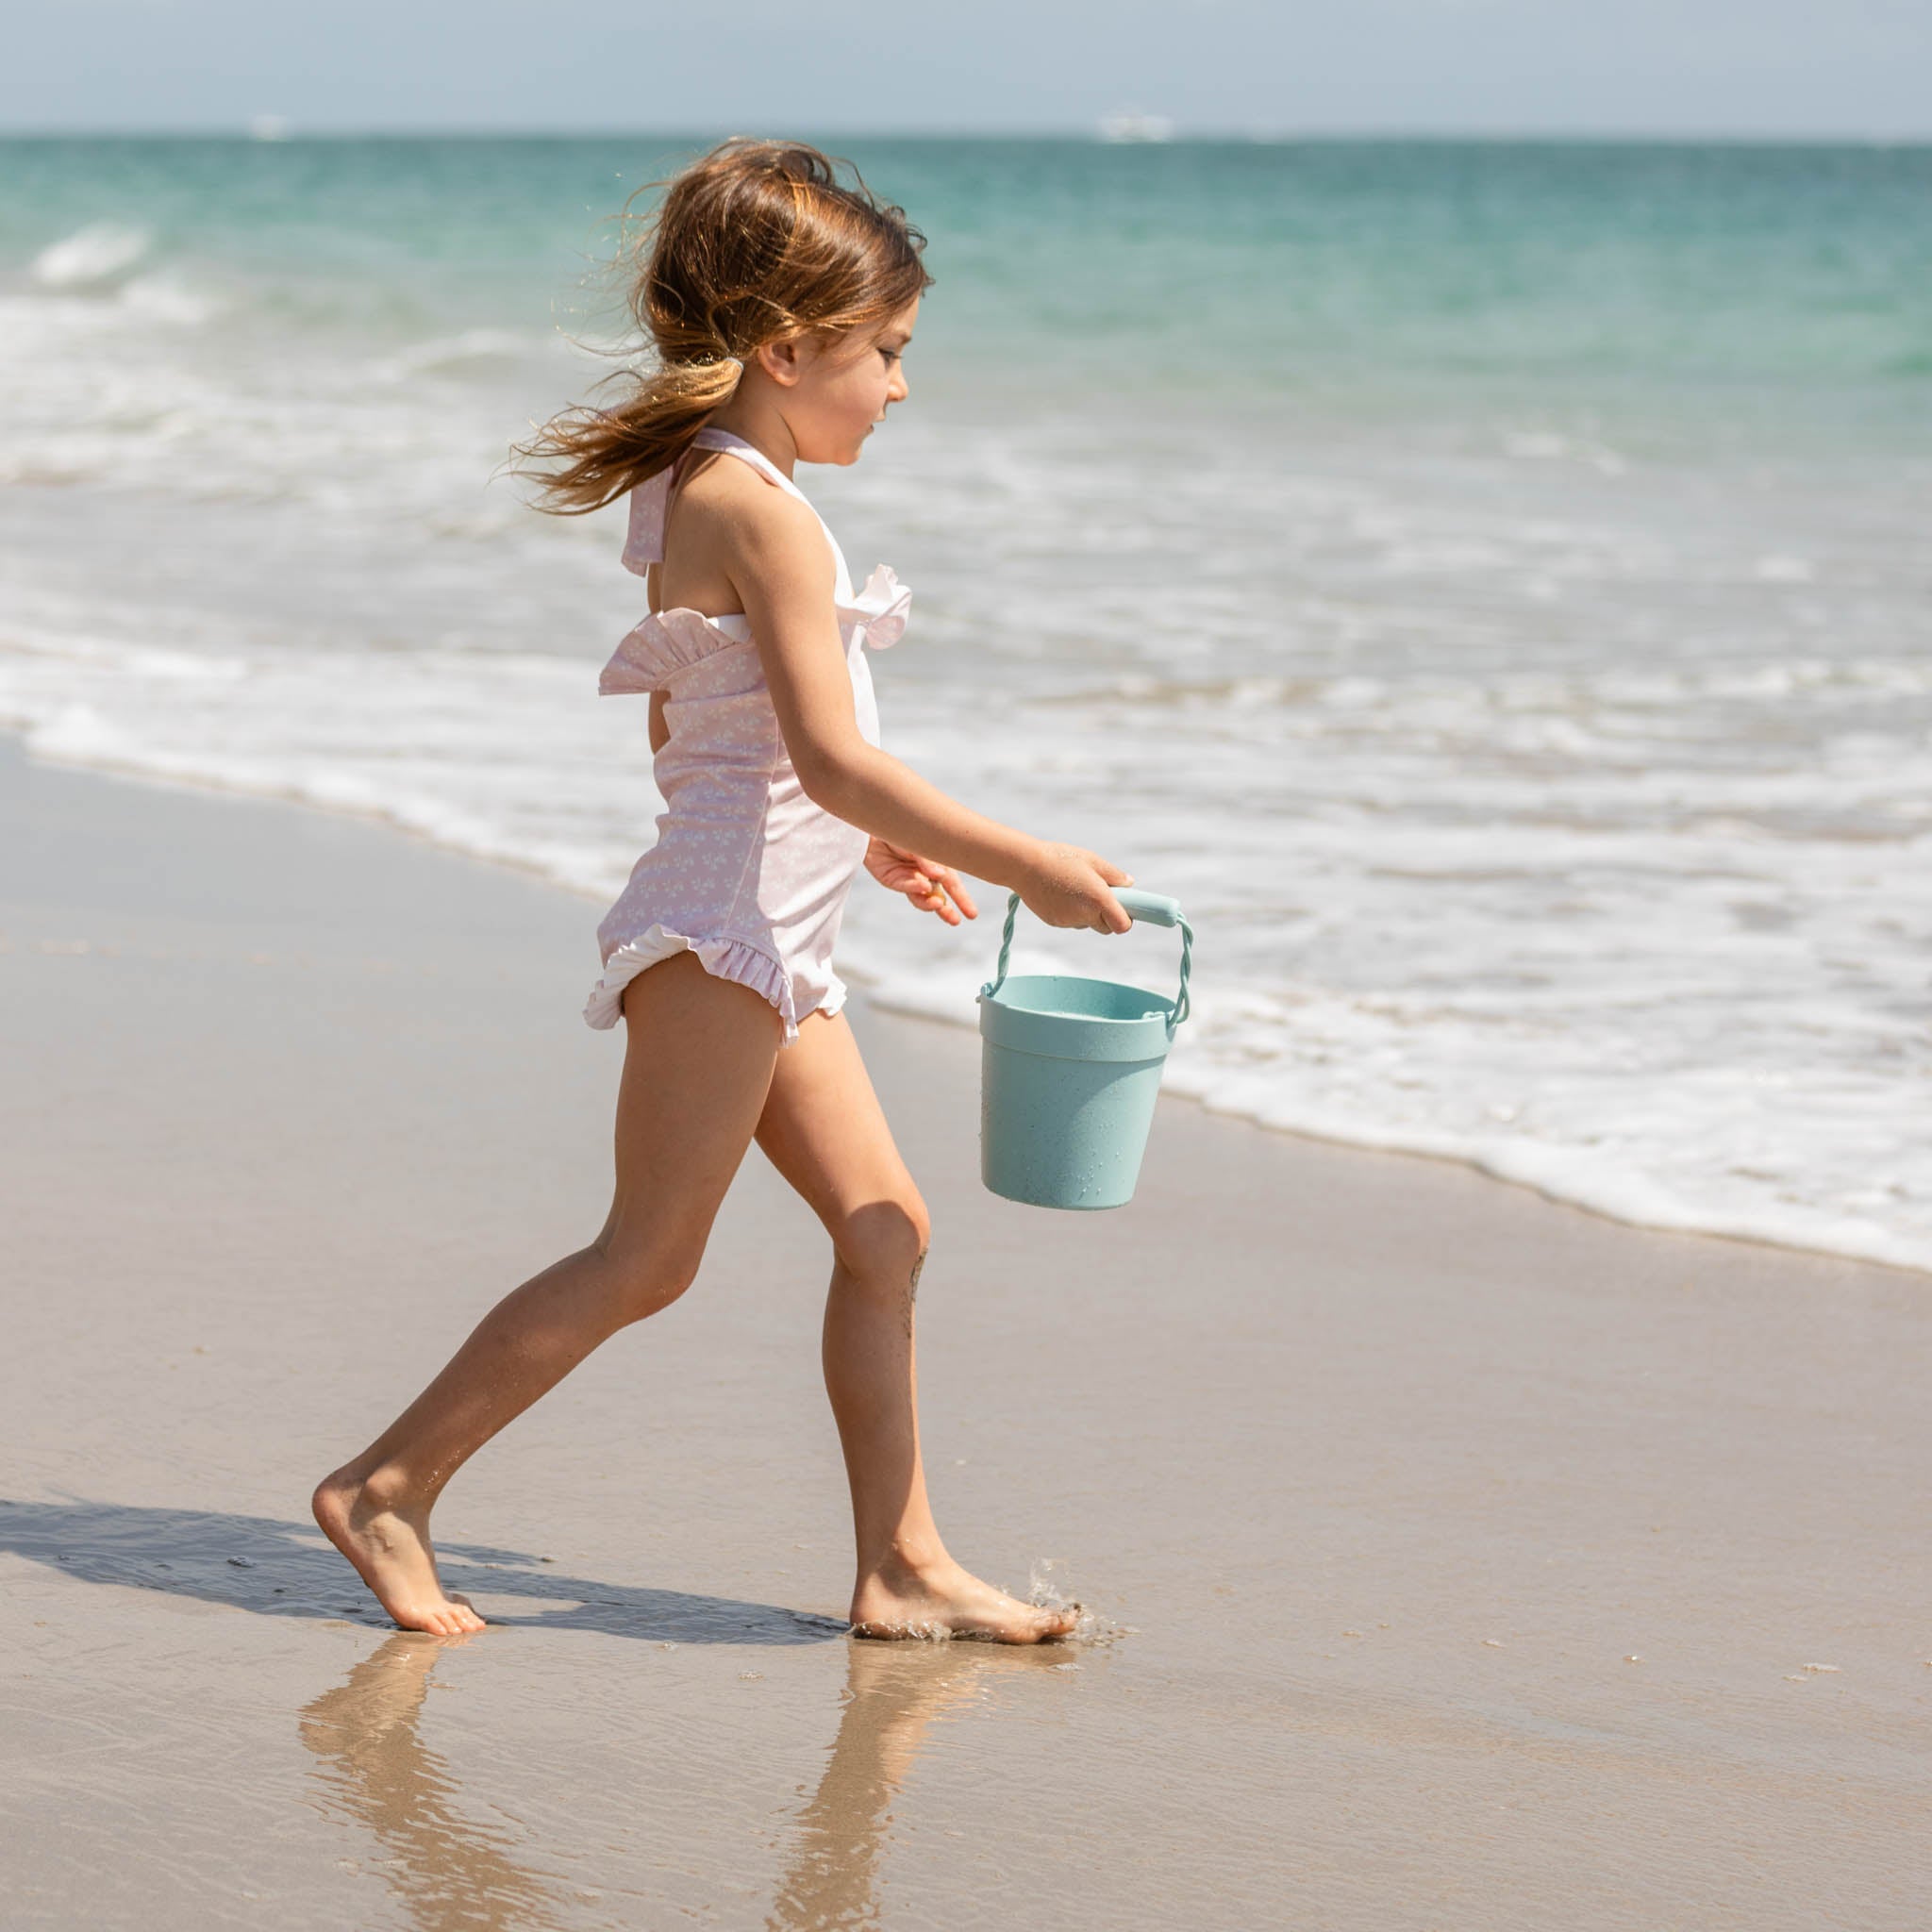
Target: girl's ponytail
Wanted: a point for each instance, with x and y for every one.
(599, 454)
(757, 243)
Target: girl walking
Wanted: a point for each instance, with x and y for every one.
(781, 301)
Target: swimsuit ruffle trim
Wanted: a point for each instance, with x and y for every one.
(668, 642)
(733, 960)
(882, 609)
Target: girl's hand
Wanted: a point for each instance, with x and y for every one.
(931, 887)
(1069, 886)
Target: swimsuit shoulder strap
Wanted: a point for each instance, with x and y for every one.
(737, 446)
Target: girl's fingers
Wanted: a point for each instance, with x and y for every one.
(942, 878)
(931, 900)
(934, 889)
(959, 896)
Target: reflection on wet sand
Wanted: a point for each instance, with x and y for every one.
(450, 1873)
(893, 1692)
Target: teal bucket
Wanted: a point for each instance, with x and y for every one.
(1070, 1069)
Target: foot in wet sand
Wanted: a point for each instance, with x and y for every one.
(388, 1544)
(948, 1601)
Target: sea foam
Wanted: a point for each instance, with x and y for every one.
(96, 257)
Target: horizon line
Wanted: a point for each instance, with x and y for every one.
(287, 133)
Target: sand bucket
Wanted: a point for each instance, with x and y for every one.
(1069, 1072)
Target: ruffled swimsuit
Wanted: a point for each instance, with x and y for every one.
(747, 873)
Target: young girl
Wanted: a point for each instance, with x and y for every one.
(780, 302)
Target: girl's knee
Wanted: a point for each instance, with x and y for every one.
(885, 1241)
(646, 1280)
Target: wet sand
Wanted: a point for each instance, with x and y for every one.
(1469, 1562)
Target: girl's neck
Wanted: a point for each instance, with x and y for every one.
(756, 420)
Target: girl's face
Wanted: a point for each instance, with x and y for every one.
(836, 389)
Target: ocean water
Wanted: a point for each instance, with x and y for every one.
(1488, 583)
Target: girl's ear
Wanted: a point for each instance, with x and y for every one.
(783, 361)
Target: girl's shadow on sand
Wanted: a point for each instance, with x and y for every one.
(279, 1569)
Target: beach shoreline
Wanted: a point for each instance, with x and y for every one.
(869, 994)
(1459, 1560)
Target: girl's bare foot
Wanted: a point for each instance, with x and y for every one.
(389, 1543)
(944, 1600)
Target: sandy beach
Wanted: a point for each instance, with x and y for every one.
(1457, 1559)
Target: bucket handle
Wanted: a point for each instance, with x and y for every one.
(1155, 909)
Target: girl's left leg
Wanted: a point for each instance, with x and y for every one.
(823, 1130)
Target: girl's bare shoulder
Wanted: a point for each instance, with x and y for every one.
(726, 509)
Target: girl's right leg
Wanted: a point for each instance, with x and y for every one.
(824, 1131)
(699, 1061)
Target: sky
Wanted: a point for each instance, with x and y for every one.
(1792, 68)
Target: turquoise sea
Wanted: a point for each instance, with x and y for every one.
(1488, 583)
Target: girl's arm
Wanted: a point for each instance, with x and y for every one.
(660, 728)
(778, 563)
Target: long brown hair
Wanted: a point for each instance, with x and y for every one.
(757, 243)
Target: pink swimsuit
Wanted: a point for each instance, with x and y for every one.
(747, 872)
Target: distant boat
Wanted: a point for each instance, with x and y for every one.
(267, 128)
(1131, 125)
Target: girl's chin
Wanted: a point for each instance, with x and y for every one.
(834, 454)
